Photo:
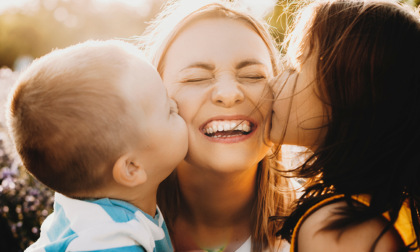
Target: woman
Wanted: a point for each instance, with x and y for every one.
(215, 62)
(353, 96)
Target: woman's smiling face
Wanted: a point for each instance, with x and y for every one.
(217, 70)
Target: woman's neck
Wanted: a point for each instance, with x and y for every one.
(217, 198)
(215, 210)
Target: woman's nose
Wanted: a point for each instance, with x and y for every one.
(227, 94)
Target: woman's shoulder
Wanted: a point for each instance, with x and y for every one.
(359, 237)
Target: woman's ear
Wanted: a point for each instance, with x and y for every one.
(127, 171)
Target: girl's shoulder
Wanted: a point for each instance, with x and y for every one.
(312, 236)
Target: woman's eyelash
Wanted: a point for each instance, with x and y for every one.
(196, 79)
(254, 77)
(250, 77)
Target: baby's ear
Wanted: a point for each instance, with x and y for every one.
(127, 171)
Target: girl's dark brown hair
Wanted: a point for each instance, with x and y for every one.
(368, 77)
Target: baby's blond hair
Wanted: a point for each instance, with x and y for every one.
(67, 117)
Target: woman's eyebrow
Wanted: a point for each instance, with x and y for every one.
(246, 63)
(205, 66)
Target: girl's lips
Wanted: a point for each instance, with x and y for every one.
(228, 129)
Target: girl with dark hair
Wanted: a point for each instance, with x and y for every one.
(352, 97)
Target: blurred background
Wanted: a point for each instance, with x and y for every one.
(32, 28)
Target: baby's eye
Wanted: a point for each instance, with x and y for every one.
(173, 107)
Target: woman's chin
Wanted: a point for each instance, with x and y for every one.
(225, 158)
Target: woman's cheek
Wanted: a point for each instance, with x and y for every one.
(187, 99)
(262, 98)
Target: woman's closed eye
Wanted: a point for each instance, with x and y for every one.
(196, 75)
(196, 79)
(252, 78)
(252, 73)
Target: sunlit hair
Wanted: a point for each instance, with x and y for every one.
(68, 120)
(176, 14)
(367, 75)
(274, 192)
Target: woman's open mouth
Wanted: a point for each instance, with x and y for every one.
(228, 130)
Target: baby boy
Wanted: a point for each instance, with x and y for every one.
(94, 123)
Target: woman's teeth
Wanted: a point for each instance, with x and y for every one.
(227, 128)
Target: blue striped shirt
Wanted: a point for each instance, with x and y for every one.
(101, 225)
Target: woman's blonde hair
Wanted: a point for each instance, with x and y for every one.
(273, 194)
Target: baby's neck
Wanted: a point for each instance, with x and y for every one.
(142, 197)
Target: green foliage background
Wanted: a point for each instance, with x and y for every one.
(35, 32)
